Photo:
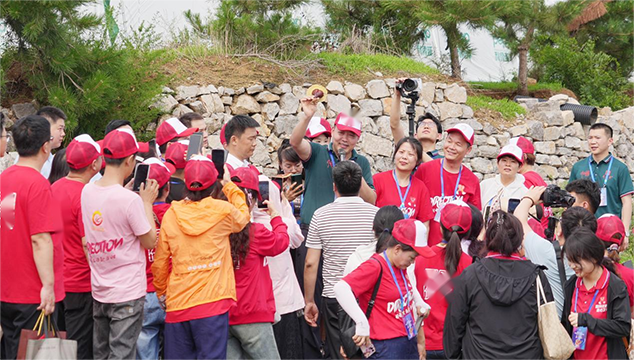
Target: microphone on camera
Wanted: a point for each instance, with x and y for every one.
(342, 155)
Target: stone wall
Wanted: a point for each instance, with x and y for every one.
(559, 140)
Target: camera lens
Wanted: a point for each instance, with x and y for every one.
(409, 85)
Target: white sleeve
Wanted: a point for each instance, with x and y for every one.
(418, 300)
(349, 304)
(294, 231)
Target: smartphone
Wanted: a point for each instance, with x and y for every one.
(195, 145)
(512, 205)
(279, 182)
(218, 156)
(297, 179)
(140, 176)
(263, 186)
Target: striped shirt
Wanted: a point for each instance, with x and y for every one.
(337, 229)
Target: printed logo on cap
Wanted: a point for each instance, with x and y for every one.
(465, 129)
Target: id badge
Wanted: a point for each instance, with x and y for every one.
(404, 211)
(438, 211)
(604, 197)
(410, 325)
(367, 350)
(579, 337)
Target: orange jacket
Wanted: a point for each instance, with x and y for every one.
(195, 234)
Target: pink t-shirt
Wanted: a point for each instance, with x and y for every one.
(113, 218)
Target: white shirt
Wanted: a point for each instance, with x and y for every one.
(492, 188)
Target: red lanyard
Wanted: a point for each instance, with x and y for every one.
(497, 255)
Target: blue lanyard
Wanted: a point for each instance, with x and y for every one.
(593, 298)
(442, 180)
(332, 158)
(606, 176)
(159, 203)
(398, 188)
(396, 282)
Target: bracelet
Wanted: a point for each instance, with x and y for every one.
(529, 198)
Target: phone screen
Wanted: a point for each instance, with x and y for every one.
(264, 193)
(296, 178)
(195, 145)
(513, 205)
(140, 176)
(218, 156)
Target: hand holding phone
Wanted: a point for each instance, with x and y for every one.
(195, 145)
(263, 186)
(219, 156)
(140, 175)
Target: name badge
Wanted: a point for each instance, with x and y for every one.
(438, 211)
(579, 337)
(410, 325)
(604, 197)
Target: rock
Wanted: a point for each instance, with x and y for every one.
(213, 124)
(241, 91)
(546, 106)
(467, 112)
(577, 130)
(368, 125)
(7, 160)
(226, 100)
(338, 103)
(383, 125)
(198, 107)
(203, 90)
(370, 107)
(285, 124)
(375, 145)
(482, 140)
(266, 96)
(167, 90)
(456, 94)
(488, 151)
(573, 142)
(245, 104)
(555, 161)
(549, 172)
(481, 165)
(535, 130)
(273, 142)
(573, 101)
(551, 118)
(212, 89)
(229, 92)
(377, 89)
(218, 104)
(449, 110)
(488, 128)
(518, 130)
(276, 90)
(545, 147)
(559, 98)
(503, 139)
(255, 89)
(569, 117)
(387, 106)
(270, 110)
(335, 88)
(383, 164)
(439, 96)
(427, 92)
(286, 88)
(299, 92)
(354, 92)
(186, 92)
(553, 133)
(260, 155)
(165, 103)
(264, 128)
(289, 104)
(491, 140)
(605, 111)
(181, 110)
(542, 159)
(475, 124)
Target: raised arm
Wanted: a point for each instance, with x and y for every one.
(395, 117)
(299, 144)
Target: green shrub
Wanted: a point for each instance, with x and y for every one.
(512, 86)
(508, 108)
(593, 75)
(343, 64)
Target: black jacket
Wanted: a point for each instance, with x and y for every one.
(492, 311)
(615, 327)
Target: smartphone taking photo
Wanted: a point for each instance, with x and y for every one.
(297, 179)
(219, 156)
(140, 176)
(263, 186)
(195, 145)
(513, 205)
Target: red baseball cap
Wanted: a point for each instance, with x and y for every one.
(176, 152)
(348, 123)
(318, 126)
(608, 226)
(158, 171)
(223, 141)
(170, 129)
(410, 232)
(247, 178)
(524, 144)
(456, 213)
(82, 151)
(465, 130)
(200, 169)
(513, 151)
(120, 143)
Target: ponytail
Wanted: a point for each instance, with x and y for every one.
(610, 265)
(383, 240)
(453, 251)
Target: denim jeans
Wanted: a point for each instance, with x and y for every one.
(148, 344)
(252, 341)
(436, 354)
(116, 328)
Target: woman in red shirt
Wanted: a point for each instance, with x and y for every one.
(390, 332)
(398, 187)
(437, 265)
(251, 320)
(596, 307)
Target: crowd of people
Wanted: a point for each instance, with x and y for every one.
(422, 261)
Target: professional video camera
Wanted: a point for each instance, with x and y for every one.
(556, 197)
(409, 89)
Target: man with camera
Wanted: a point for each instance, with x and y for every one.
(428, 129)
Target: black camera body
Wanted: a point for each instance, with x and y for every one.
(407, 86)
(409, 89)
(556, 197)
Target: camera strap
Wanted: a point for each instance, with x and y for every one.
(560, 263)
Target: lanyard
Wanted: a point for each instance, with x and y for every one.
(496, 255)
(442, 180)
(595, 293)
(159, 203)
(396, 282)
(398, 188)
(606, 176)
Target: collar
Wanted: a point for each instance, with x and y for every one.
(601, 283)
(50, 157)
(353, 157)
(605, 160)
(235, 162)
(349, 200)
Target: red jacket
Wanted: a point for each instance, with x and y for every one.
(254, 288)
(159, 210)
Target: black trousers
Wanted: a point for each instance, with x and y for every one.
(288, 336)
(79, 322)
(14, 318)
(333, 333)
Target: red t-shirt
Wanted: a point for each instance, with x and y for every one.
(596, 346)
(468, 191)
(428, 266)
(159, 210)
(532, 178)
(417, 201)
(28, 208)
(67, 194)
(386, 319)
(627, 275)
